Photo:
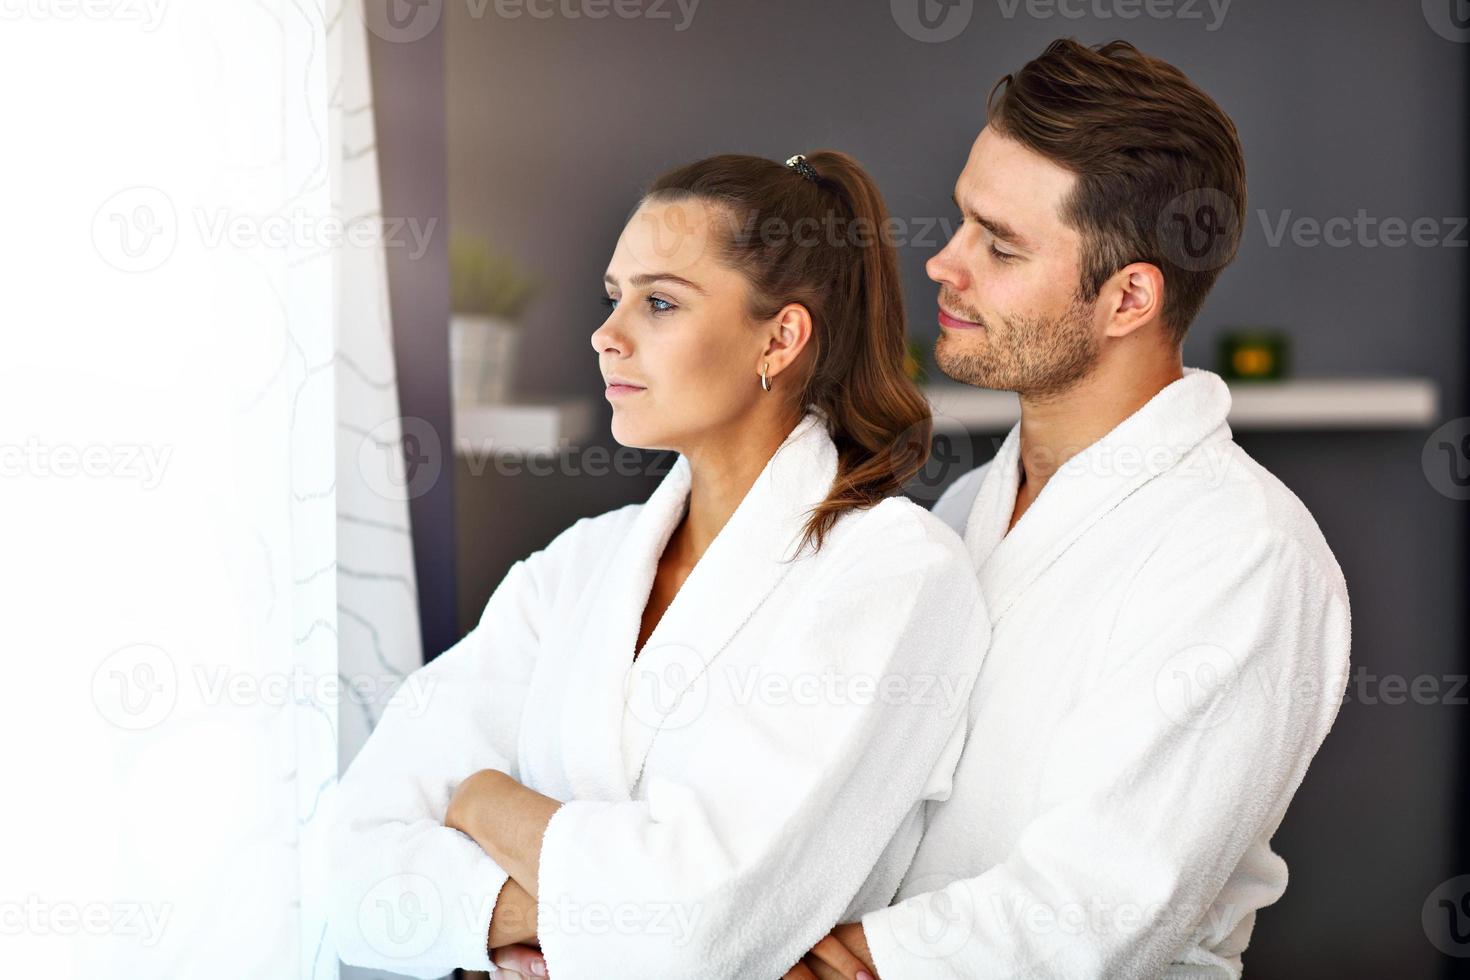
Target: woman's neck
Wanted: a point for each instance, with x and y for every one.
(722, 469)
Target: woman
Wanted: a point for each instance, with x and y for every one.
(691, 735)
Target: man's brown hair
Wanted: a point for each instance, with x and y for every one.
(1160, 172)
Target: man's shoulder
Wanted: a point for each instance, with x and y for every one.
(1219, 490)
(958, 499)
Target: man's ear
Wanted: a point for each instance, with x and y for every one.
(1133, 298)
(789, 332)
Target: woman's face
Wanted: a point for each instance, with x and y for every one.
(678, 330)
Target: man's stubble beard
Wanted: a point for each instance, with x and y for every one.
(1037, 357)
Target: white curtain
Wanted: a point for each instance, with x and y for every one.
(192, 228)
(377, 594)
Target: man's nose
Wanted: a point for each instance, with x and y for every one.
(944, 268)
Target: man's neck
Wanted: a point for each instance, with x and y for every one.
(1057, 427)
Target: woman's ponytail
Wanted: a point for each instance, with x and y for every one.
(881, 422)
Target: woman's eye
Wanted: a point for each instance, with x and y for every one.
(610, 303)
(658, 305)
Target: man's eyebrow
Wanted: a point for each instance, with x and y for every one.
(649, 278)
(995, 226)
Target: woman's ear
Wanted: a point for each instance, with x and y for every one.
(787, 336)
(1135, 297)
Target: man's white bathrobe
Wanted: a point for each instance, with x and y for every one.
(1169, 648)
(756, 776)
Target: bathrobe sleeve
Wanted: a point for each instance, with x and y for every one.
(408, 894)
(738, 867)
(1223, 672)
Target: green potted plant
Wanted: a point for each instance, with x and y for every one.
(488, 292)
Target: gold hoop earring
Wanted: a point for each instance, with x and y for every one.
(765, 381)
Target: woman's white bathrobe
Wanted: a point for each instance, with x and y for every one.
(1170, 647)
(756, 776)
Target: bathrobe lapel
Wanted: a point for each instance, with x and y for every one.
(1174, 423)
(615, 705)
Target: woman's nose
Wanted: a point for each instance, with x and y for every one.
(607, 339)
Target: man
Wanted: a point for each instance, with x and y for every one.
(1170, 629)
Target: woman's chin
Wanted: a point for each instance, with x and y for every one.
(629, 434)
(639, 435)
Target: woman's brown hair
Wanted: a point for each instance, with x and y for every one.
(823, 240)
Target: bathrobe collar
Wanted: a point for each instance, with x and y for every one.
(1150, 442)
(740, 568)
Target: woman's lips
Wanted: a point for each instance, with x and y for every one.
(955, 323)
(619, 390)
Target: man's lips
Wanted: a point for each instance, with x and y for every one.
(955, 323)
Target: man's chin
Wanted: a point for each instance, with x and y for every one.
(968, 370)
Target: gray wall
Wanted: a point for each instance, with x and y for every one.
(409, 107)
(555, 124)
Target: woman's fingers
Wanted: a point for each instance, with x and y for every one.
(525, 960)
(831, 952)
(800, 972)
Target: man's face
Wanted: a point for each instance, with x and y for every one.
(1009, 310)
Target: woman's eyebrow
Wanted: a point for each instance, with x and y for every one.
(649, 278)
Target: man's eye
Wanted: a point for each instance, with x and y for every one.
(1002, 256)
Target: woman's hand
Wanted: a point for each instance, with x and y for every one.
(473, 798)
(842, 955)
(506, 819)
(518, 961)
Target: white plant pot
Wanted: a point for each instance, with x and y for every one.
(482, 357)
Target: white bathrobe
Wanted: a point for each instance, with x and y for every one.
(1169, 648)
(756, 776)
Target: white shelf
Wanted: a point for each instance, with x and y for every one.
(521, 429)
(1260, 406)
